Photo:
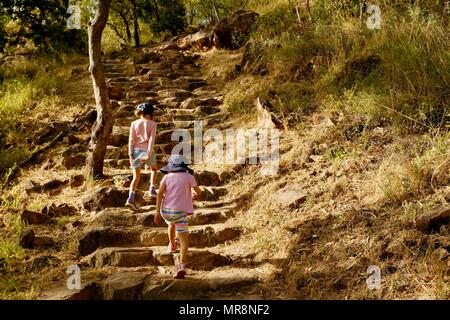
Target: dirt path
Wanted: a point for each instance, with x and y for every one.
(127, 245)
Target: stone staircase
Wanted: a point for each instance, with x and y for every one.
(127, 245)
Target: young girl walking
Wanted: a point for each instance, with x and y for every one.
(140, 149)
(174, 204)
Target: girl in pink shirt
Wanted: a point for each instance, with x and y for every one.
(140, 150)
(174, 204)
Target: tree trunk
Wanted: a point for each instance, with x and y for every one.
(136, 25)
(103, 126)
(216, 12)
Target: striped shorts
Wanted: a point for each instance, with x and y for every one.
(179, 218)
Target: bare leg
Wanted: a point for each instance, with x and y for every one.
(184, 242)
(136, 178)
(171, 231)
(153, 177)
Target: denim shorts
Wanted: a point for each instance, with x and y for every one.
(150, 163)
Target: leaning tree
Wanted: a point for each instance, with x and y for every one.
(103, 125)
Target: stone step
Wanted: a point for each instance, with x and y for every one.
(177, 93)
(118, 217)
(121, 78)
(129, 284)
(144, 86)
(116, 152)
(192, 103)
(203, 178)
(199, 259)
(114, 75)
(161, 160)
(141, 94)
(199, 237)
(120, 151)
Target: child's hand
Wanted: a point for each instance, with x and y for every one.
(158, 218)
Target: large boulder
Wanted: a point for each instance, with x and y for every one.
(229, 33)
(202, 40)
(232, 32)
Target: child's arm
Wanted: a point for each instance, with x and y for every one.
(151, 142)
(159, 197)
(198, 192)
(131, 142)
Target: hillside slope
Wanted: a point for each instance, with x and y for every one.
(358, 185)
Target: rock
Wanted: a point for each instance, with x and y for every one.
(209, 236)
(207, 178)
(205, 260)
(180, 94)
(211, 193)
(121, 257)
(103, 237)
(232, 32)
(207, 110)
(118, 140)
(433, 220)
(212, 101)
(154, 238)
(291, 196)
(52, 185)
(203, 40)
(75, 161)
(31, 217)
(124, 286)
(63, 209)
(41, 262)
(30, 186)
(115, 93)
(146, 57)
(266, 119)
(148, 220)
(104, 197)
(88, 291)
(169, 46)
(165, 289)
(43, 242)
(76, 181)
(190, 103)
(27, 239)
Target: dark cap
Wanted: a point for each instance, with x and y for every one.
(146, 108)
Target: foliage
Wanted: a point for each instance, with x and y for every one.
(41, 22)
(164, 16)
(206, 11)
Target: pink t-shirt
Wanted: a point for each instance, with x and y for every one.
(141, 131)
(178, 195)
